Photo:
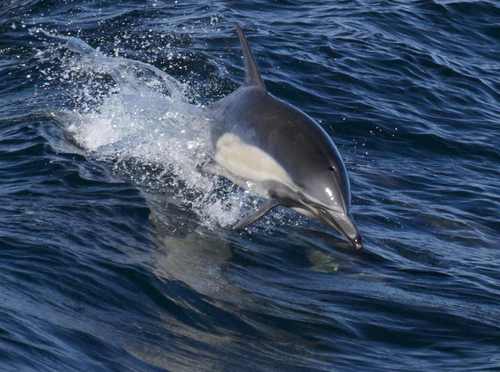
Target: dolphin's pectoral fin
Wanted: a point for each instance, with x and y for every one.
(252, 74)
(266, 207)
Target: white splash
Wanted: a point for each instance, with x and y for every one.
(139, 117)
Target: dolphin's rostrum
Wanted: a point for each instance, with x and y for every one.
(268, 146)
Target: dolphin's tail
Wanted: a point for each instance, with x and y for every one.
(252, 74)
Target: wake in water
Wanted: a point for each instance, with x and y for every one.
(140, 118)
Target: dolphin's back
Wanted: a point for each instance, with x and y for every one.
(293, 139)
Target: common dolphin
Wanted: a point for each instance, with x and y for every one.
(268, 146)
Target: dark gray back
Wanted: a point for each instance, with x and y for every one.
(290, 136)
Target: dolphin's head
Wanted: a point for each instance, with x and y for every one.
(343, 223)
(327, 197)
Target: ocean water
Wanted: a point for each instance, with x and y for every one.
(116, 252)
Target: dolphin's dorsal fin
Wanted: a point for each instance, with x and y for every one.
(252, 74)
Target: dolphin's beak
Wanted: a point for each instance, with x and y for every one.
(344, 224)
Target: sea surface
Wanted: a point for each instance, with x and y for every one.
(116, 252)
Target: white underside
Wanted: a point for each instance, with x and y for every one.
(247, 165)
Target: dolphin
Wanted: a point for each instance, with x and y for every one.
(275, 150)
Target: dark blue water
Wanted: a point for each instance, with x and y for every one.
(114, 251)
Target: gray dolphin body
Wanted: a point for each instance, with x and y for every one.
(268, 146)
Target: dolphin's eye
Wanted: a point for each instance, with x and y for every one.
(332, 168)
